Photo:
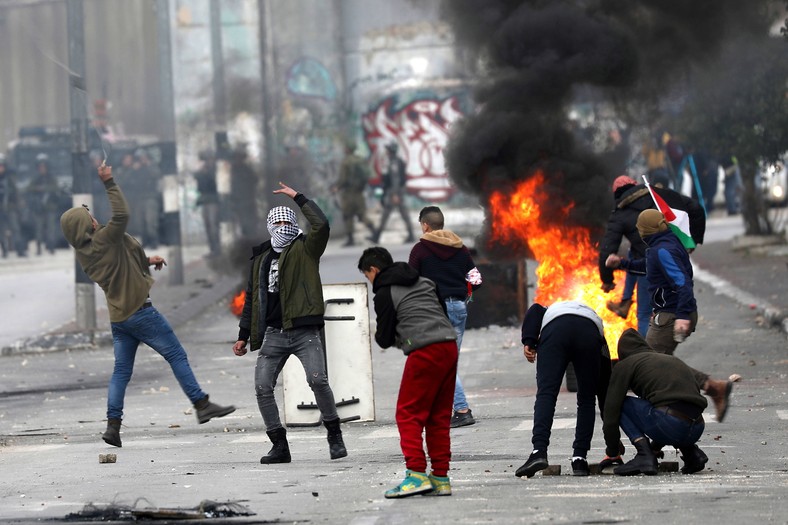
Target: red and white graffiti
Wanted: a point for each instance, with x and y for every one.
(421, 132)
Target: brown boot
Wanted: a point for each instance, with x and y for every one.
(719, 391)
(207, 410)
(620, 309)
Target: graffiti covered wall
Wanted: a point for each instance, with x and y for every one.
(420, 128)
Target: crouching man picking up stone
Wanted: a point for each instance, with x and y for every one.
(668, 408)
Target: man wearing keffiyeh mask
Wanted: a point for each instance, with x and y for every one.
(283, 227)
(283, 316)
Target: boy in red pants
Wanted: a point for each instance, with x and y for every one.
(410, 316)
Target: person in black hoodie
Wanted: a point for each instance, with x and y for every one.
(631, 199)
(411, 317)
(441, 257)
(668, 408)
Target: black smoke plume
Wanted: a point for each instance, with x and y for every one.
(535, 57)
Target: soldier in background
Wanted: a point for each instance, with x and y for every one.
(353, 179)
(394, 181)
(43, 195)
(148, 180)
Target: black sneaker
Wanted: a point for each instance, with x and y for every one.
(459, 419)
(580, 467)
(536, 461)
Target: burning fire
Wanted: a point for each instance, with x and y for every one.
(567, 259)
(237, 303)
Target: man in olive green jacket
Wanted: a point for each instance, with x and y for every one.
(115, 261)
(283, 316)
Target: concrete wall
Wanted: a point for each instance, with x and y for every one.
(379, 71)
(120, 49)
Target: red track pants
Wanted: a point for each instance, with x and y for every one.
(424, 406)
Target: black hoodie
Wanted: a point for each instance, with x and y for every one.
(660, 379)
(409, 314)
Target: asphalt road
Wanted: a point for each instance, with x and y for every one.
(52, 414)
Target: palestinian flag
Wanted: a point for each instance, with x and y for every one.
(678, 220)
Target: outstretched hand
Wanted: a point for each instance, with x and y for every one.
(105, 172)
(287, 190)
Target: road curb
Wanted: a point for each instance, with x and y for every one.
(176, 314)
(772, 315)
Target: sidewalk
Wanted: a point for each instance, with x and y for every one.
(752, 271)
(202, 288)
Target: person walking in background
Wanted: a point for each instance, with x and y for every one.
(563, 333)
(707, 169)
(353, 179)
(631, 199)
(209, 199)
(411, 317)
(115, 261)
(733, 184)
(11, 237)
(394, 181)
(670, 287)
(243, 188)
(283, 316)
(441, 257)
(668, 408)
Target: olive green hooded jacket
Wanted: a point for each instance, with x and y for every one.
(300, 287)
(111, 258)
(660, 379)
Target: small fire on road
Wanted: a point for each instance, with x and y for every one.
(566, 257)
(237, 303)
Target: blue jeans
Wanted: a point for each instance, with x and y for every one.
(643, 303)
(457, 311)
(150, 327)
(639, 419)
(278, 345)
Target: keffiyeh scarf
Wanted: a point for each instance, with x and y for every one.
(282, 235)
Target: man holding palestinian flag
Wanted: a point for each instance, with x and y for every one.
(678, 220)
(632, 198)
(668, 270)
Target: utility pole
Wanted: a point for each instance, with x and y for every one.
(171, 189)
(84, 288)
(221, 142)
(267, 64)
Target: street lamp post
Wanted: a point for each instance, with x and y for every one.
(84, 287)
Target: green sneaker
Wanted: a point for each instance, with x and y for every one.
(414, 483)
(441, 486)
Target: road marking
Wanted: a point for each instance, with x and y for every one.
(782, 414)
(383, 433)
(558, 424)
